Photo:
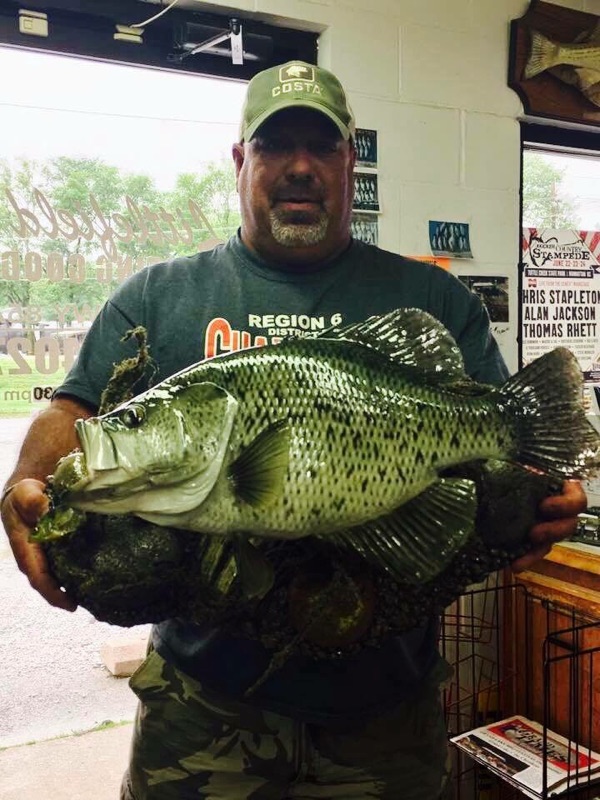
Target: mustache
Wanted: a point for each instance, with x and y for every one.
(298, 193)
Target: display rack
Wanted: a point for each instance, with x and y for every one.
(515, 653)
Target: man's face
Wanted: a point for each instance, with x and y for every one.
(295, 180)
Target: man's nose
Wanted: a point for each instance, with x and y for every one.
(301, 164)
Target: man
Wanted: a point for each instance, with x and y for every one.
(363, 725)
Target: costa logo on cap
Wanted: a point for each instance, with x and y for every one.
(294, 72)
(296, 78)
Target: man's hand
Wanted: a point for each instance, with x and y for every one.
(557, 517)
(24, 504)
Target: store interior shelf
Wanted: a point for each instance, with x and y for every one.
(529, 646)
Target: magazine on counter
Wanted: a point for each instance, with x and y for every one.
(513, 748)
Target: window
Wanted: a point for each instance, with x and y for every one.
(104, 168)
(117, 181)
(560, 255)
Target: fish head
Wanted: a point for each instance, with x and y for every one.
(170, 436)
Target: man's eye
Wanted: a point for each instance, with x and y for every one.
(281, 146)
(324, 147)
(272, 145)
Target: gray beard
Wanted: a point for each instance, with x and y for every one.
(298, 234)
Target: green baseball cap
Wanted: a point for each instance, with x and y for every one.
(291, 85)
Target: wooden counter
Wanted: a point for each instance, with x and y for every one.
(552, 641)
(569, 575)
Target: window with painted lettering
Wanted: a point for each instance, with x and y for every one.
(104, 168)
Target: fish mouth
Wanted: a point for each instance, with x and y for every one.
(107, 474)
(98, 449)
(70, 474)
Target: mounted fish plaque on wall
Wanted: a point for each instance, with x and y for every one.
(554, 63)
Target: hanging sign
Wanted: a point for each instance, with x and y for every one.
(560, 303)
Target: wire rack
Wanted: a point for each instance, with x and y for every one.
(515, 653)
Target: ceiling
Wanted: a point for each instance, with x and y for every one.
(191, 36)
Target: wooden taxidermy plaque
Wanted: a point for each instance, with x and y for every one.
(554, 63)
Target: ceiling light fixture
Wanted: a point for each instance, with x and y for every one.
(33, 23)
(234, 35)
(125, 33)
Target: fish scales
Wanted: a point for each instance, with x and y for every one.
(344, 436)
(363, 438)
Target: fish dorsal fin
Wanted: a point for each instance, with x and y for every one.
(408, 336)
(418, 540)
(259, 470)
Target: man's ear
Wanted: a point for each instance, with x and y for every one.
(352, 153)
(237, 152)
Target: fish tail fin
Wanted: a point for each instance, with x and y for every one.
(554, 433)
(543, 55)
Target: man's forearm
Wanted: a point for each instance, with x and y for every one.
(51, 436)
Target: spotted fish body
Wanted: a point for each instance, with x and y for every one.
(356, 444)
(345, 437)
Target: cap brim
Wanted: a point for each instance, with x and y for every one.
(251, 129)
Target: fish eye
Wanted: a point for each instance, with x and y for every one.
(133, 416)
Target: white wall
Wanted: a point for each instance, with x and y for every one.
(431, 77)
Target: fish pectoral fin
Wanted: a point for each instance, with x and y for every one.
(258, 471)
(255, 573)
(418, 540)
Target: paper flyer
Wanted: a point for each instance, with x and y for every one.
(516, 749)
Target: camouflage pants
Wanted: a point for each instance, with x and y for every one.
(189, 744)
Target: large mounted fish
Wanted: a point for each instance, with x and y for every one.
(576, 63)
(343, 437)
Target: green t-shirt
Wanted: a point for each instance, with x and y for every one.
(226, 299)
